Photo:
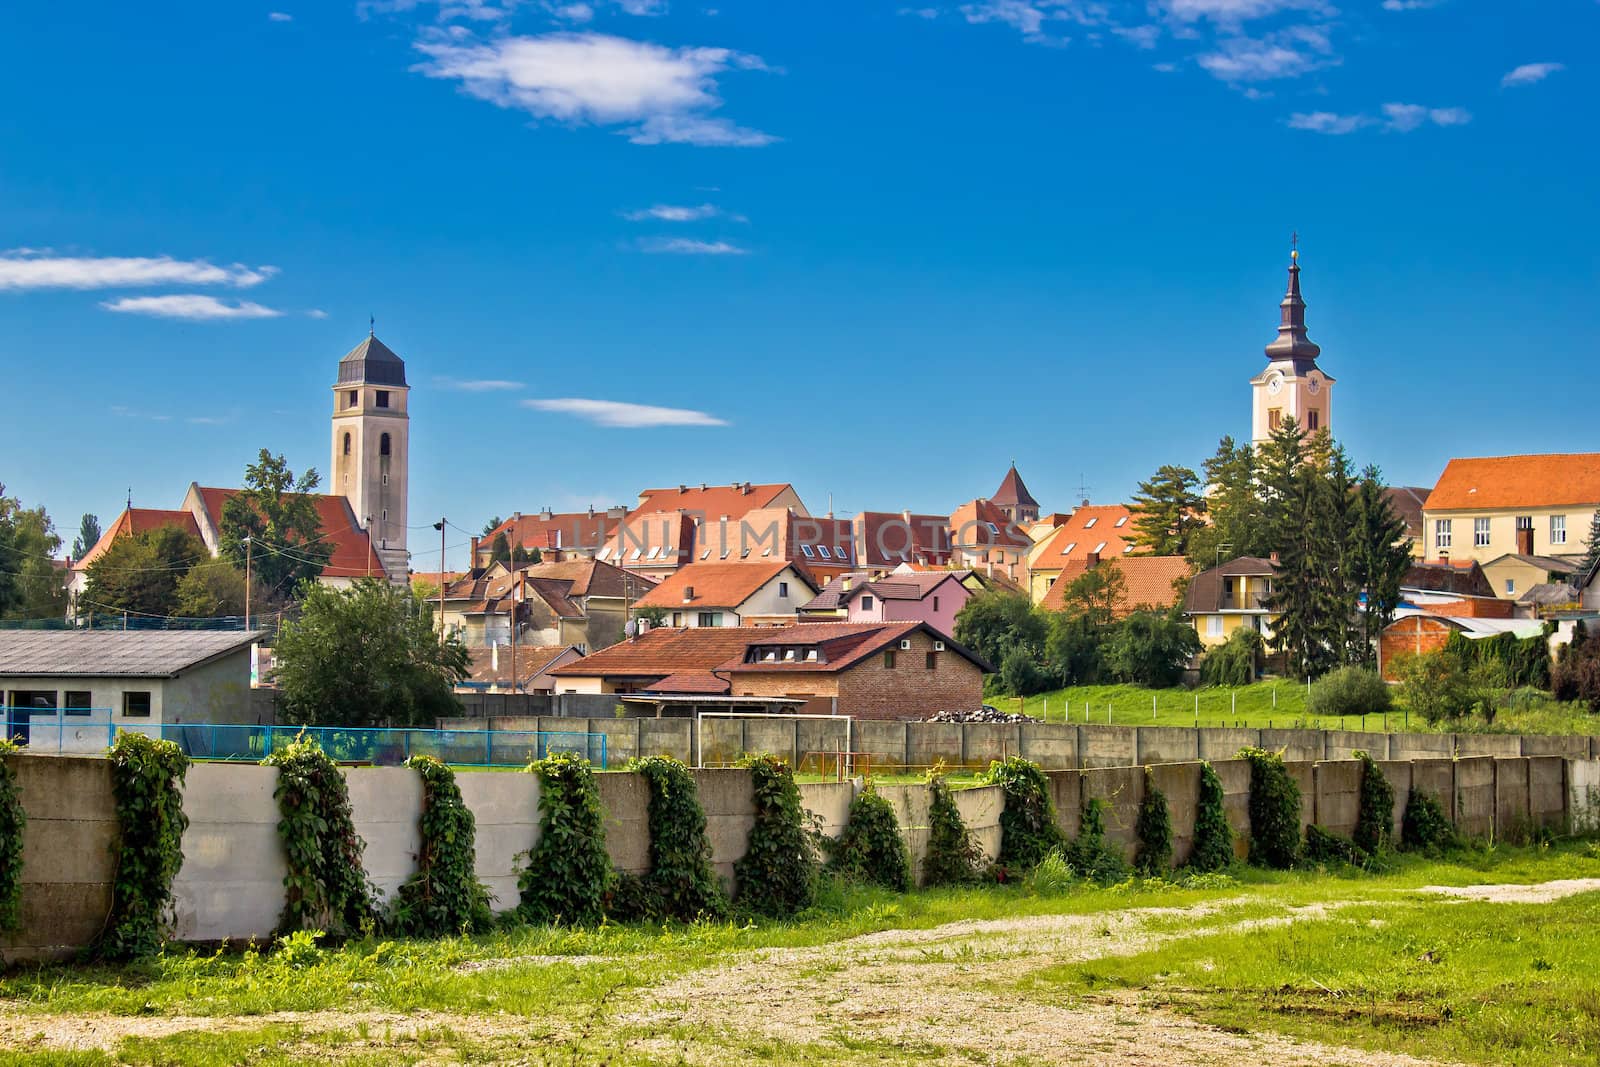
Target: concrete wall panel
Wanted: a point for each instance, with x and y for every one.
(1344, 744)
(1421, 746)
(1486, 744)
(1066, 793)
(1399, 775)
(230, 886)
(625, 799)
(1218, 743)
(1338, 795)
(728, 799)
(1547, 792)
(1108, 746)
(1512, 821)
(1180, 784)
(1234, 774)
(1167, 744)
(1297, 746)
(929, 744)
(1121, 789)
(1052, 745)
(1475, 796)
(505, 812)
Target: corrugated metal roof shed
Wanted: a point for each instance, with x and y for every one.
(114, 653)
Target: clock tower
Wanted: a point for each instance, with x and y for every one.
(1292, 385)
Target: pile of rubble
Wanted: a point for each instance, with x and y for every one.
(983, 714)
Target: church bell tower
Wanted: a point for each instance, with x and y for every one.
(372, 447)
(1292, 385)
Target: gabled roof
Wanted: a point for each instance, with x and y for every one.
(1012, 493)
(719, 585)
(662, 651)
(1205, 593)
(353, 555)
(712, 501)
(489, 667)
(1090, 527)
(1463, 578)
(1407, 501)
(590, 577)
(1551, 564)
(980, 524)
(1148, 581)
(1537, 481)
(887, 538)
(580, 530)
(897, 585)
(137, 521)
(115, 653)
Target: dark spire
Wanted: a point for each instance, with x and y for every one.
(1292, 342)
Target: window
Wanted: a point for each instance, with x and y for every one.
(935, 603)
(1070, 546)
(705, 554)
(806, 549)
(1101, 547)
(1274, 418)
(866, 603)
(77, 703)
(350, 399)
(1313, 420)
(383, 445)
(1122, 520)
(1511, 587)
(385, 514)
(1558, 529)
(710, 618)
(385, 477)
(1441, 533)
(1090, 524)
(136, 705)
(636, 553)
(888, 660)
(653, 553)
(783, 590)
(931, 661)
(382, 398)
(347, 444)
(677, 618)
(823, 551)
(1213, 625)
(1480, 533)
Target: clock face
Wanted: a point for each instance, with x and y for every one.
(1275, 384)
(1315, 384)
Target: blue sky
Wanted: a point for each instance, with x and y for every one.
(875, 249)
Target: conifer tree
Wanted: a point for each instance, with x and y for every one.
(1167, 509)
(1379, 558)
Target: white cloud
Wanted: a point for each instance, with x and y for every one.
(656, 94)
(1233, 12)
(620, 414)
(20, 269)
(1403, 118)
(673, 213)
(479, 385)
(279, 16)
(685, 246)
(1286, 54)
(316, 313)
(1410, 5)
(191, 307)
(573, 12)
(1327, 122)
(1529, 73)
(919, 12)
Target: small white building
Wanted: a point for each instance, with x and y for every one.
(70, 690)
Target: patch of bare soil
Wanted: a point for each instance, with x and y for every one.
(1538, 893)
(943, 992)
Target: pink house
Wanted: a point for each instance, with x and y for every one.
(931, 597)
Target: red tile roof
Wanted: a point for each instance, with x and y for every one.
(1089, 527)
(711, 501)
(980, 524)
(691, 682)
(353, 556)
(136, 521)
(532, 660)
(1148, 581)
(721, 585)
(887, 538)
(576, 530)
(1557, 480)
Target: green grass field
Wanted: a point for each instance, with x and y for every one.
(1239, 968)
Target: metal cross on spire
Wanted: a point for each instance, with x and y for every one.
(1294, 244)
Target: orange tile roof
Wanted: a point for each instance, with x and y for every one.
(353, 555)
(720, 585)
(712, 501)
(136, 521)
(1556, 480)
(1147, 582)
(970, 527)
(1076, 538)
(578, 530)
(532, 661)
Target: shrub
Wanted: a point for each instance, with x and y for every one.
(953, 858)
(444, 896)
(326, 888)
(13, 820)
(1234, 661)
(147, 780)
(1349, 691)
(1434, 686)
(1022, 675)
(1576, 675)
(1053, 876)
(1324, 846)
(871, 848)
(1375, 816)
(1151, 648)
(1274, 810)
(1090, 856)
(681, 884)
(569, 874)
(777, 875)
(1424, 826)
(1154, 829)
(1028, 830)
(1213, 837)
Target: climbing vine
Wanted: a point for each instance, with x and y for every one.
(1028, 830)
(1375, 815)
(1274, 810)
(953, 858)
(12, 822)
(1424, 826)
(1154, 829)
(1213, 837)
(871, 848)
(326, 887)
(444, 896)
(777, 875)
(146, 780)
(681, 884)
(1325, 846)
(1090, 855)
(569, 874)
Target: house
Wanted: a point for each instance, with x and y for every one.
(1418, 633)
(671, 528)
(1014, 500)
(555, 536)
(1538, 505)
(1513, 574)
(1098, 531)
(68, 690)
(1155, 582)
(983, 539)
(933, 597)
(1452, 582)
(897, 670)
(1223, 599)
(1407, 502)
(886, 539)
(753, 593)
(516, 668)
(579, 601)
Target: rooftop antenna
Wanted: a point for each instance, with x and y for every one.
(130, 498)
(1083, 489)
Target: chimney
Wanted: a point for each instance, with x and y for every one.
(474, 555)
(745, 489)
(591, 511)
(688, 593)
(546, 513)
(1444, 557)
(1094, 560)
(682, 488)
(703, 487)
(1273, 559)
(906, 516)
(1525, 540)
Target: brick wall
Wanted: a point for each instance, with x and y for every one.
(1474, 607)
(1412, 636)
(909, 690)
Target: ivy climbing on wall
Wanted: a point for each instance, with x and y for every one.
(777, 875)
(681, 883)
(326, 887)
(569, 874)
(871, 849)
(147, 782)
(13, 820)
(444, 896)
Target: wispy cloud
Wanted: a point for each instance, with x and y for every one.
(688, 246)
(122, 411)
(279, 16)
(190, 307)
(1410, 5)
(316, 313)
(1394, 118)
(1284, 54)
(479, 385)
(1328, 122)
(208, 420)
(1235, 12)
(680, 213)
(1529, 73)
(21, 269)
(617, 413)
(656, 95)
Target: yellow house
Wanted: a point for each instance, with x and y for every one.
(1484, 509)
(1512, 575)
(1094, 533)
(1224, 599)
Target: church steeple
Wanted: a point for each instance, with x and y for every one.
(372, 447)
(1291, 386)
(1292, 342)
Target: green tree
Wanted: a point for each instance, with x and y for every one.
(1168, 508)
(10, 557)
(140, 573)
(490, 526)
(278, 513)
(1300, 513)
(1380, 555)
(500, 548)
(35, 583)
(367, 656)
(992, 624)
(1591, 555)
(88, 535)
(212, 589)
(1234, 507)
(1095, 594)
(1151, 648)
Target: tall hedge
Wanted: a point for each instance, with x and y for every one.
(1375, 817)
(777, 875)
(1213, 837)
(569, 874)
(1274, 810)
(1154, 829)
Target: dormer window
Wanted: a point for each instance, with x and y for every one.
(806, 549)
(823, 549)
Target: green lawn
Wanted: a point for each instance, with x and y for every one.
(1340, 958)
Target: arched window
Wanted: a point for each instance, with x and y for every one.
(347, 444)
(383, 445)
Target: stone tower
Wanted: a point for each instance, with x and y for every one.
(1292, 384)
(372, 447)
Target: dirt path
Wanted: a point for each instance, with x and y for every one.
(1538, 893)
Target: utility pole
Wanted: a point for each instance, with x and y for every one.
(516, 679)
(440, 525)
(247, 568)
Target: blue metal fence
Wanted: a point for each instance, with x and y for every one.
(386, 747)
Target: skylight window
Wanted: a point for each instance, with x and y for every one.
(844, 553)
(635, 554)
(1090, 524)
(1121, 521)
(824, 550)
(1070, 546)
(1101, 547)
(807, 550)
(994, 531)
(654, 552)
